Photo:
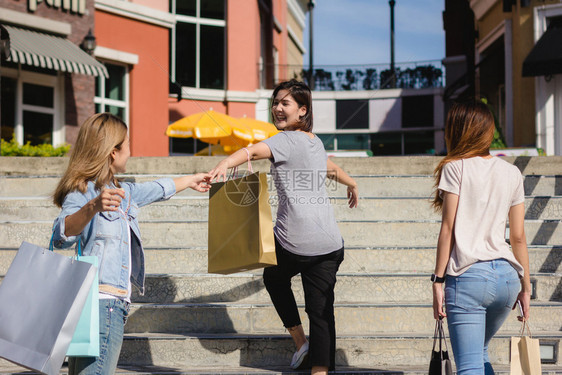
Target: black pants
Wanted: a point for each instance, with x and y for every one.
(318, 274)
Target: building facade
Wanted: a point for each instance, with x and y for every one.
(509, 65)
(156, 61)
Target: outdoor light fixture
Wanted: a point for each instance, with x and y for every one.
(89, 43)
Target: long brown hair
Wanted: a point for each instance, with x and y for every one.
(469, 132)
(302, 95)
(90, 159)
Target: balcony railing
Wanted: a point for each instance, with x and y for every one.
(411, 75)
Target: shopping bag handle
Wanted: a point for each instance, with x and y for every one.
(439, 333)
(525, 324)
(52, 247)
(235, 169)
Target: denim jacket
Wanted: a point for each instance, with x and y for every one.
(105, 236)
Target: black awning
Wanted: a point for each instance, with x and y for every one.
(546, 56)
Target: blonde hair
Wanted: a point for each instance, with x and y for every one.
(90, 158)
(469, 132)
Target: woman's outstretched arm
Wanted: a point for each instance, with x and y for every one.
(255, 152)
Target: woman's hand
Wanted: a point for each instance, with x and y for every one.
(525, 299)
(438, 301)
(220, 171)
(353, 196)
(108, 200)
(200, 182)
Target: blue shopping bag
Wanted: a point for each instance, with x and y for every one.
(86, 339)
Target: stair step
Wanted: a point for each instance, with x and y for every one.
(351, 319)
(542, 259)
(9, 368)
(367, 234)
(369, 186)
(197, 209)
(365, 351)
(350, 288)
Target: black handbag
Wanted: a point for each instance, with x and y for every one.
(440, 363)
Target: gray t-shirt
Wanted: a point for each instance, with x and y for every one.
(487, 189)
(305, 224)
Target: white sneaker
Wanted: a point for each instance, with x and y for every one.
(299, 356)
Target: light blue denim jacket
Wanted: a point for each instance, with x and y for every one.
(105, 236)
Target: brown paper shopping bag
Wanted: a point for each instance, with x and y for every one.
(525, 354)
(240, 225)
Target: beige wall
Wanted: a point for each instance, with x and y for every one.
(522, 43)
(523, 87)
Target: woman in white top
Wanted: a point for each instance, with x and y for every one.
(484, 278)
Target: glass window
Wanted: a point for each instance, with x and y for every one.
(115, 84)
(38, 127)
(111, 93)
(352, 114)
(8, 107)
(212, 57)
(186, 146)
(418, 143)
(386, 144)
(185, 7)
(186, 49)
(198, 43)
(353, 141)
(212, 9)
(328, 140)
(42, 96)
(417, 111)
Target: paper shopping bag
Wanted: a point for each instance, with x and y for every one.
(41, 299)
(525, 356)
(240, 225)
(86, 339)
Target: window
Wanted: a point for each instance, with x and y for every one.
(30, 107)
(345, 141)
(8, 106)
(352, 114)
(186, 146)
(112, 93)
(417, 111)
(197, 52)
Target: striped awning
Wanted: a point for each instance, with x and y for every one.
(51, 52)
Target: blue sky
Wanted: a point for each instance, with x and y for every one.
(358, 31)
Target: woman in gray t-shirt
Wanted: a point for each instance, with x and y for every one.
(307, 238)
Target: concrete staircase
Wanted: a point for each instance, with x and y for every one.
(192, 322)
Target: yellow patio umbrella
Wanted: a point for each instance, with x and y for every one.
(211, 127)
(261, 129)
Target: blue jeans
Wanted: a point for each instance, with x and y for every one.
(113, 315)
(478, 302)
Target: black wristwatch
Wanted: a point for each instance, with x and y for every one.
(437, 279)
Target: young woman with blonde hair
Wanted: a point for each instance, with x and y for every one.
(100, 214)
(484, 279)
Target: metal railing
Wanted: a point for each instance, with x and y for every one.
(409, 75)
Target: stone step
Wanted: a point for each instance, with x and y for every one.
(369, 186)
(350, 288)
(351, 319)
(542, 259)
(389, 165)
(366, 234)
(364, 351)
(197, 209)
(9, 368)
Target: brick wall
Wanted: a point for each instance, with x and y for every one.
(79, 89)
